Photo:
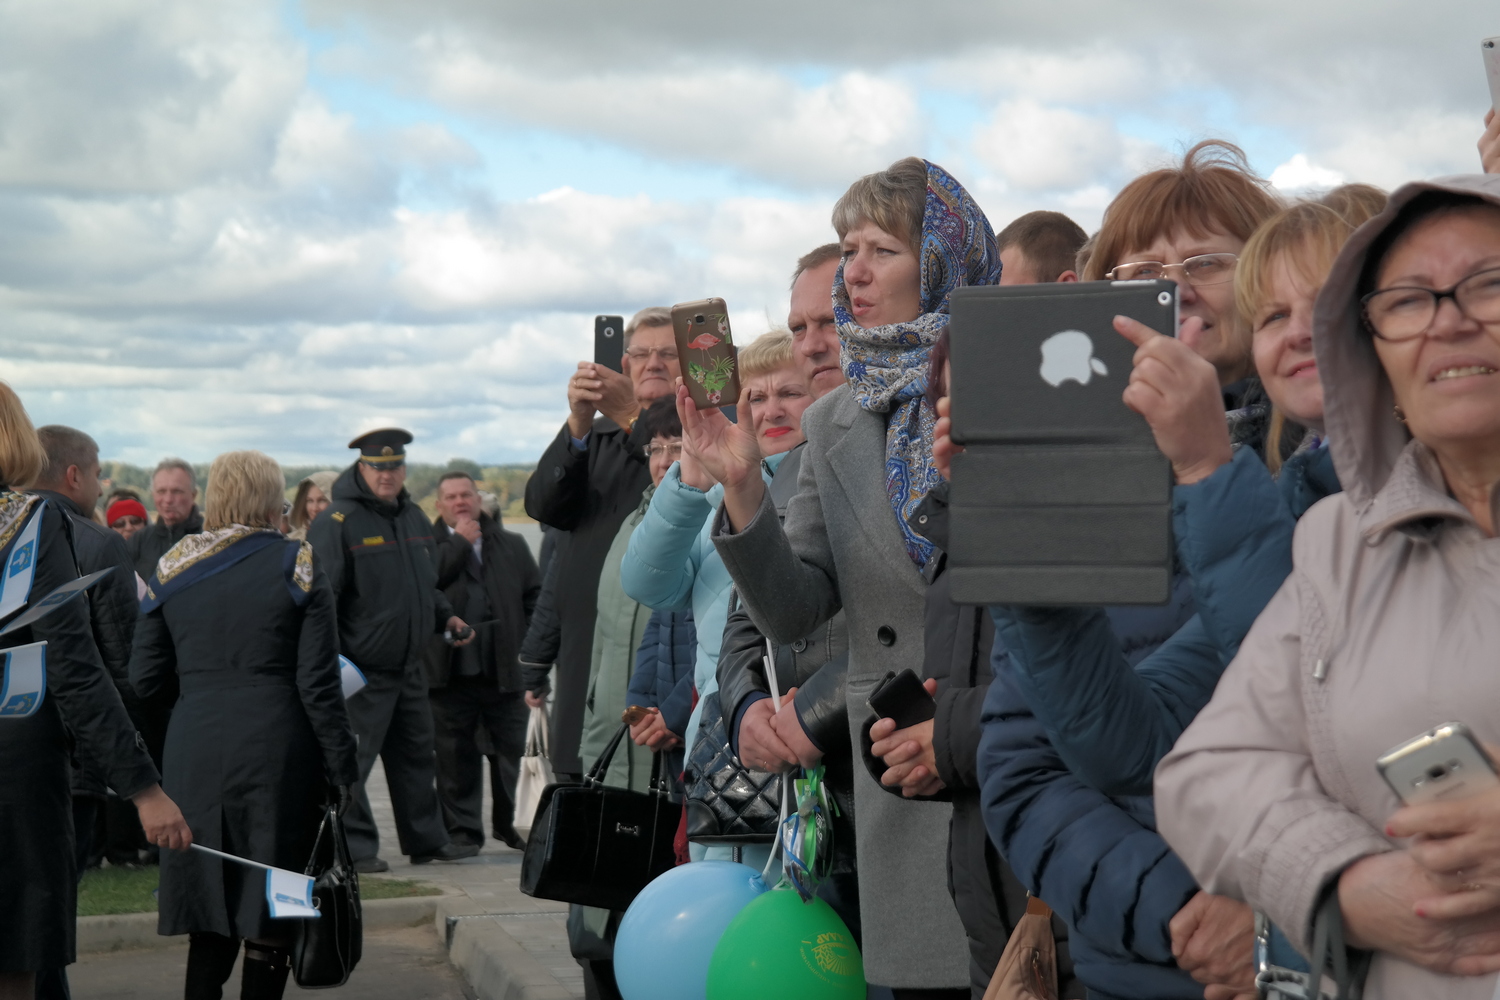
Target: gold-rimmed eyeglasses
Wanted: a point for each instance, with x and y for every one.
(1204, 269)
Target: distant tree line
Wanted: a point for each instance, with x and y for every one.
(508, 482)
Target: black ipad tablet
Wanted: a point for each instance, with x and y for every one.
(1061, 496)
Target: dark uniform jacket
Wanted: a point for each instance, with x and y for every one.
(113, 606)
(258, 733)
(501, 589)
(38, 878)
(586, 494)
(148, 545)
(379, 559)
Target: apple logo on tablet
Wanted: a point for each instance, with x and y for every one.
(1069, 357)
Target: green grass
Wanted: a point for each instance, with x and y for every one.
(379, 887)
(106, 891)
(117, 890)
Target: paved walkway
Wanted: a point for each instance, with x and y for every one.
(489, 883)
(406, 963)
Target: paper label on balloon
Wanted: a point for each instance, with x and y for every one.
(351, 676)
(25, 682)
(290, 895)
(831, 956)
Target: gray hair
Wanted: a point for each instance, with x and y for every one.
(65, 448)
(649, 316)
(175, 463)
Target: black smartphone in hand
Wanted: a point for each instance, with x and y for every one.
(609, 341)
(903, 698)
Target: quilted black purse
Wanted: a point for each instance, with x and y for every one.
(727, 803)
(327, 949)
(598, 846)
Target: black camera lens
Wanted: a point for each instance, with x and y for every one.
(698, 318)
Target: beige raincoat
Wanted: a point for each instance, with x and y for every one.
(1388, 626)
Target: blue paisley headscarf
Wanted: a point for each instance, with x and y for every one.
(887, 365)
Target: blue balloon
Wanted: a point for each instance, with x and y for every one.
(667, 937)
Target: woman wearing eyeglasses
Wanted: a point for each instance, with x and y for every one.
(672, 563)
(1388, 626)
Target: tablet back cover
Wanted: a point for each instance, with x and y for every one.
(1061, 496)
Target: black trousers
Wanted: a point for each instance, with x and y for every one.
(458, 711)
(392, 721)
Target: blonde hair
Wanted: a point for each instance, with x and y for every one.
(1306, 238)
(765, 354)
(22, 457)
(894, 199)
(244, 487)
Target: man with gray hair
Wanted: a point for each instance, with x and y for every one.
(174, 492)
(588, 479)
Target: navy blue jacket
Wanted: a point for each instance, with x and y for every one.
(1112, 723)
(1097, 861)
(663, 676)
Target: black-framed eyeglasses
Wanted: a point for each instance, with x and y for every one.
(1204, 269)
(669, 450)
(1397, 314)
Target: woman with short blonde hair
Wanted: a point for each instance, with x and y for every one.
(241, 621)
(244, 487)
(38, 879)
(766, 353)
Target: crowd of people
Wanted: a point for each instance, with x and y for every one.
(1189, 787)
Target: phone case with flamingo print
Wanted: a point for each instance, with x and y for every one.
(705, 349)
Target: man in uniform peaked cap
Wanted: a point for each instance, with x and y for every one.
(376, 546)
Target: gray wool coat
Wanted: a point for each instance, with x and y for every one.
(840, 547)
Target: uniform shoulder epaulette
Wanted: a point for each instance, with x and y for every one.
(338, 516)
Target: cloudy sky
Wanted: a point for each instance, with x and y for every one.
(275, 225)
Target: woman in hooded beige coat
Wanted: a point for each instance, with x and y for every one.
(1388, 626)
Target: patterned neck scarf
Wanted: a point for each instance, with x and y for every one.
(887, 365)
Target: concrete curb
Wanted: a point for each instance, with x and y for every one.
(495, 965)
(138, 930)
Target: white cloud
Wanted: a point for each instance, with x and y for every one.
(1300, 174)
(208, 248)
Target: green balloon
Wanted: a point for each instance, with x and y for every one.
(781, 947)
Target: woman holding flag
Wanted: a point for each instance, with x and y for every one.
(52, 676)
(241, 623)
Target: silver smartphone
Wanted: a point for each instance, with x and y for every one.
(1444, 763)
(1490, 48)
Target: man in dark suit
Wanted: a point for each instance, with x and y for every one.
(587, 480)
(492, 581)
(70, 481)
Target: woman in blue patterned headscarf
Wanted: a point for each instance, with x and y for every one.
(910, 234)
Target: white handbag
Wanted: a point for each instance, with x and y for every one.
(535, 772)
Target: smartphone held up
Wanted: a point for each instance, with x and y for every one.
(705, 348)
(609, 342)
(1490, 49)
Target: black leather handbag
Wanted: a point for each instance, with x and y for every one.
(596, 845)
(327, 949)
(727, 803)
